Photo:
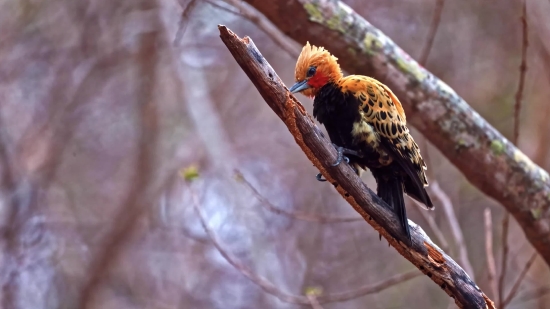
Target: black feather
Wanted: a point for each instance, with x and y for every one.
(390, 190)
(413, 185)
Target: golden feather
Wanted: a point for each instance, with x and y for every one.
(382, 116)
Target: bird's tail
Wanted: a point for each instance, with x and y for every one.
(390, 189)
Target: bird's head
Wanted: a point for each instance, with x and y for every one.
(315, 68)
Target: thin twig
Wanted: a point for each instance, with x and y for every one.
(436, 18)
(533, 294)
(371, 288)
(491, 268)
(520, 278)
(313, 301)
(522, 71)
(227, 8)
(12, 233)
(542, 152)
(137, 198)
(504, 262)
(270, 288)
(184, 21)
(428, 217)
(543, 127)
(265, 25)
(294, 214)
(517, 111)
(448, 209)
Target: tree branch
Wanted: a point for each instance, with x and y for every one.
(272, 289)
(298, 215)
(266, 26)
(436, 18)
(456, 231)
(491, 268)
(184, 20)
(137, 198)
(504, 259)
(421, 251)
(516, 285)
(483, 155)
(522, 71)
(533, 294)
(429, 218)
(517, 110)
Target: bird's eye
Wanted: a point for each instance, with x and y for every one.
(311, 71)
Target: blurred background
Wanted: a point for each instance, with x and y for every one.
(140, 168)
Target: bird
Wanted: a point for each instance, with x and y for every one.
(367, 124)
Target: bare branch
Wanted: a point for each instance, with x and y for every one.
(318, 218)
(517, 111)
(184, 21)
(436, 18)
(136, 201)
(266, 26)
(428, 217)
(516, 285)
(491, 268)
(420, 250)
(270, 288)
(263, 283)
(313, 301)
(223, 7)
(522, 71)
(539, 32)
(542, 152)
(543, 127)
(459, 132)
(18, 213)
(533, 294)
(370, 289)
(448, 209)
(504, 262)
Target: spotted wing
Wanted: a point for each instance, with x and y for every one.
(382, 114)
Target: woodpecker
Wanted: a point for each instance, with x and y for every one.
(366, 123)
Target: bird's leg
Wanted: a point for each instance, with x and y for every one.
(341, 151)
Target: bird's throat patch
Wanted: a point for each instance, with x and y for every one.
(318, 80)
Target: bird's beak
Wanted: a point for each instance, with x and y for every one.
(299, 86)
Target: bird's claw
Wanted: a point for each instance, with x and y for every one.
(319, 177)
(341, 156)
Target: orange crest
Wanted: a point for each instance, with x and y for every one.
(327, 68)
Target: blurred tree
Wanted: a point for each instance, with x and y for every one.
(104, 104)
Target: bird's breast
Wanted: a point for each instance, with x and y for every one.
(339, 113)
